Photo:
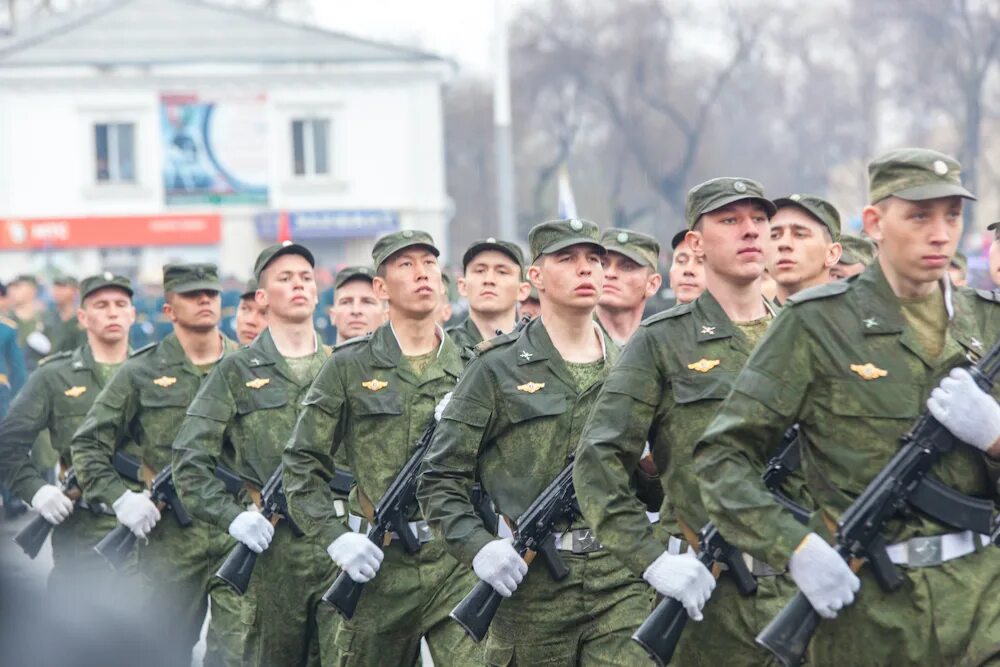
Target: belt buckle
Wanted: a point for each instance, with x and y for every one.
(424, 533)
(923, 551)
(585, 542)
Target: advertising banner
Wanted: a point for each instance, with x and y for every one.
(110, 232)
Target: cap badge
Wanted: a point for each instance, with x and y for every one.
(531, 387)
(795, 197)
(622, 237)
(108, 275)
(257, 383)
(164, 381)
(869, 371)
(704, 365)
(407, 234)
(940, 168)
(73, 392)
(740, 187)
(285, 244)
(575, 225)
(491, 240)
(374, 384)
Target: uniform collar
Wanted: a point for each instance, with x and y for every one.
(534, 346)
(170, 352)
(82, 359)
(386, 353)
(710, 320)
(469, 328)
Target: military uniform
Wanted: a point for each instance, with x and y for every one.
(13, 372)
(145, 403)
(466, 336)
(66, 335)
(843, 361)
(241, 418)
(513, 423)
(368, 400)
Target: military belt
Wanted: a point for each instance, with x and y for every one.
(420, 530)
(580, 541)
(936, 549)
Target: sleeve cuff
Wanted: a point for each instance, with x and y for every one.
(228, 514)
(472, 546)
(27, 489)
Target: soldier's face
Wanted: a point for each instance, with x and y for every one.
(841, 271)
(571, 278)
(995, 258)
(288, 289)
(492, 283)
(355, 309)
(803, 249)
(63, 295)
(530, 308)
(251, 319)
(916, 239)
(734, 241)
(107, 314)
(197, 311)
(627, 284)
(411, 283)
(687, 273)
(22, 293)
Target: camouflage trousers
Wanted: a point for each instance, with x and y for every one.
(177, 569)
(943, 615)
(73, 554)
(283, 601)
(410, 598)
(586, 619)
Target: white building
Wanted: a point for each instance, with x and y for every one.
(136, 132)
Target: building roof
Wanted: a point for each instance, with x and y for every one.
(160, 32)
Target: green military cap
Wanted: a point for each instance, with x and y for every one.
(271, 253)
(351, 272)
(959, 261)
(915, 174)
(825, 212)
(24, 278)
(640, 248)
(390, 244)
(183, 278)
(552, 236)
(678, 239)
(512, 250)
(91, 284)
(857, 250)
(65, 281)
(250, 290)
(718, 192)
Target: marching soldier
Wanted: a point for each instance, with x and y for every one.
(374, 398)
(687, 270)
(958, 269)
(853, 362)
(856, 255)
(25, 311)
(56, 398)
(251, 317)
(493, 287)
(145, 403)
(356, 310)
(61, 321)
(805, 232)
(630, 278)
(530, 305)
(242, 418)
(513, 423)
(669, 382)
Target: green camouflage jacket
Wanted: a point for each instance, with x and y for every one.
(840, 360)
(466, 336)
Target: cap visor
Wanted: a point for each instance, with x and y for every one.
(766, 203)
(293, 249)
(482, 247)
(127, 290)
(576, 240)
(634, 255)
(934, 191)
(198, 286)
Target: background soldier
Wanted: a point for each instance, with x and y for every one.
(374, 398)
(853, 363)
(513, 423)
(530, 306)
(669, 382)
(356, 310)
(145, 403)
(13, 374)
(858, 253)
(251, 317)
(958, 269)
(492, 285)
(805, 232)
(61, 321)
(630, 278)
(242, 418)
(687, 270)
(25, 310)
(56, 398)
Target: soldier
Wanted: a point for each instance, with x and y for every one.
(145, 403)
(857, 254)
(630, 278)
(995, 253)
(242, 418)
(61, 321)
(513, 423)
(671, 378)
(530, 306)
(25, 311)
(355, 311)
(493, 287)
(958, 269)
(853, 363)
(373, 398)
(251, 317)
(445, 309)
(805, 232)
(13, 374)
(56, 397)
(687, 270)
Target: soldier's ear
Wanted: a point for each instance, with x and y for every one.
(535, 277)
(81, 317)
(462, 287)
(872, 219)
(696, 242)
(378, 286)
(833, 253)
(260, 297)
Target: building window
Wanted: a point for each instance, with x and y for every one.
(310, 147)
(114, 152)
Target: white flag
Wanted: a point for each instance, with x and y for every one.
(567, 205)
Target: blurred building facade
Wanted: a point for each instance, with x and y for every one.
(137, 132)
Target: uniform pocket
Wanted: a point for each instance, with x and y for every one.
(712, 386)
(522, 407)
(378, 403)
(499, 656)
(874, 398)
(267, 398)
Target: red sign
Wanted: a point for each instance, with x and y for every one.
(111, 232)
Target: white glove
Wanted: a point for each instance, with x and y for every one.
(136, 511)
(356, 555)
(39, 342)
(52, 504)
(972, 415)
(253, 530)
(499, 565)
(682, 578)
(439, 408)
(823, 576)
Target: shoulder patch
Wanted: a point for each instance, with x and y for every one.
(989, 295)
(352, 341)
(9, 322)
(673, 311)
(143, 350)
(818, 292)
(495, 342)
(65, 354)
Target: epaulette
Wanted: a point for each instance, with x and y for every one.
(9, 322)
(818, 292)
(496, 341)
(674, 311)
(352, 341)
(989, 294)
(58, 355)
(142, 350)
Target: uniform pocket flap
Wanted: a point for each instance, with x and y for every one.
(874, 398)
(642, 387)
(776, 395)
(261, 399)
(378, 403)
(712, 386)
(210, 408)
(523, 407)
(156, 397)
(467, 412)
